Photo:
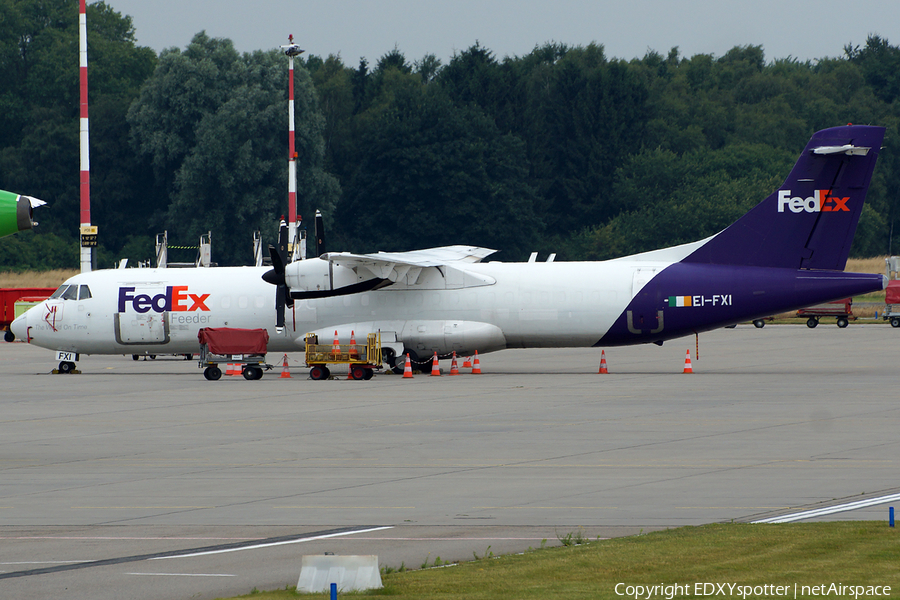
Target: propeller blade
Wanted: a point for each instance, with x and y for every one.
(280, 294)
(320, 234)
(283, 243)
(275, 276)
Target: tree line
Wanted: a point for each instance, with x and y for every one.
(562, 150)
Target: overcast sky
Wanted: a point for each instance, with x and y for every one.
(804, 29)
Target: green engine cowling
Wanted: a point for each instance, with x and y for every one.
(16, 212)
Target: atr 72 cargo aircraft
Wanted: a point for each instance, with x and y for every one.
(16, 212)
(787, 252)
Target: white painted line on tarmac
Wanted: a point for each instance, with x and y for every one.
(186, 574)
(272, 544)
(828, 510)
(45, 562)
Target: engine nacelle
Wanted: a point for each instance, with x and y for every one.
(16, 212)
(317, 274)
(444, 337)
(423, 338)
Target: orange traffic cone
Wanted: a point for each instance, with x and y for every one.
(354, 352)
(603, 370)
(454, 369)
(285, 372)
(476, 366)
(232, 370)
(687, 362)
(435, 369)
(336, 348)
(467, 364)
(407, 369)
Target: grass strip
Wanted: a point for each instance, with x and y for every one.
(857, 553)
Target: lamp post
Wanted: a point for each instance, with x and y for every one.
(292, 50)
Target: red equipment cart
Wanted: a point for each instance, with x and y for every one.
(836, 308)
(246, 347)
(892, 303)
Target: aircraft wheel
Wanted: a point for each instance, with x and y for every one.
(9, 336)
(388, 357)
(318, 373)
(357, 372)
(759, 323)
(212, 373)
(895, 321)
(842, 322)
(812, 322)
(398, 364)
(66, 367)
(134, 357)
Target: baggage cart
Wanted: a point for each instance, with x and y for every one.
(362, 359)
(842, 309)
(244, 347)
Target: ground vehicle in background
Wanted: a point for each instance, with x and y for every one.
(892, 303)
(842, 309)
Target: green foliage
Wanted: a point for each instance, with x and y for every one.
(432, 174)
(666, 199)
(39, 110)
(561, 150)
(30, 251)
(212, 124)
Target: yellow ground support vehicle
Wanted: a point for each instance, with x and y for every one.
(362, 359)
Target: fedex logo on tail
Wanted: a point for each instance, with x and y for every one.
(820, 201)
(176, 298)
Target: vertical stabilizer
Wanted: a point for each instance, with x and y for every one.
(809, 222)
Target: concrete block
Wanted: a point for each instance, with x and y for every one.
(318, 572)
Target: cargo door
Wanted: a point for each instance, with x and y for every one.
(142, 329)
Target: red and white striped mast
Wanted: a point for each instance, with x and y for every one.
(85, 212)
(292, 50)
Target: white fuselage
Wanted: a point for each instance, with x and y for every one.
(495, 306)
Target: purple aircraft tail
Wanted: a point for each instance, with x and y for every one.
(809, 222)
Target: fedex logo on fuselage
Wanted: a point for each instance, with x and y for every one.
(820, 201)
(175, 299)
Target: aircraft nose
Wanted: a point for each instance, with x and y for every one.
(18, 329)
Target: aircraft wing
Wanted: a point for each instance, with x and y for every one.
(341, 273)
(408, 267)
(430, 257)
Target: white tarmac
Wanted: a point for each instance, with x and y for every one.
(110, 477)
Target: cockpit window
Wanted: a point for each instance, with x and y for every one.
(84, 293)
(59, 291)
(71, 293)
